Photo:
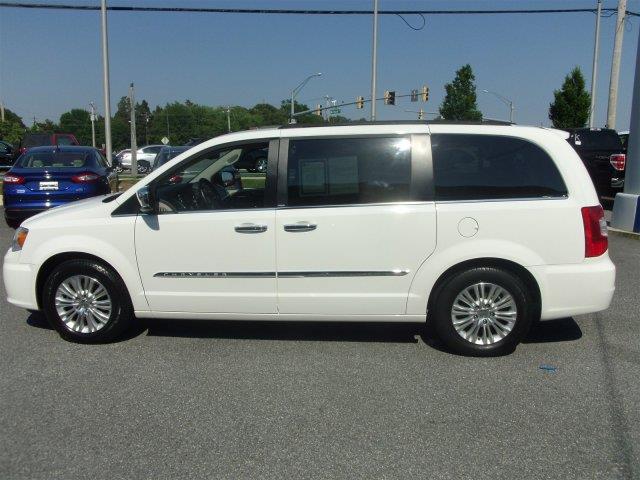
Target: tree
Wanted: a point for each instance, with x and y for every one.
(571, 104)
(12, 129)
(78, 122)
(460, 101)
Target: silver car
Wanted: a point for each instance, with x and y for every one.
(146, 155)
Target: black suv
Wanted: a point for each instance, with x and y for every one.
(604, 156)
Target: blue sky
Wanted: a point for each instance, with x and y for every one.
(50, 60)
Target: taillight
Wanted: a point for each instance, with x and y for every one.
(595, 231)
(84, 178)
(13, 179)
(618, 161)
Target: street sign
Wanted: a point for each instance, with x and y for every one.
(165, 140)
(335, 111)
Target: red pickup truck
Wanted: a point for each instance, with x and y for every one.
(41, 139)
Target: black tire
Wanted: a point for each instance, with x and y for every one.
(444, 301)
(121, 316)
(12, 223)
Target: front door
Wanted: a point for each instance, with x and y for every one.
(211, 247)
(359, 221)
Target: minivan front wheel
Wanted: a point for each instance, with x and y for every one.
(86, 302)
(483, 311)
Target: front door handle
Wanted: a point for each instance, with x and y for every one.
(300, 227)
(250, 228)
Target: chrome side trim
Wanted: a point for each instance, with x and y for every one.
(216, 274)
(354, 273)
(338, 273)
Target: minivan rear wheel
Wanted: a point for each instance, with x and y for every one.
(484, 311)
(86, 302)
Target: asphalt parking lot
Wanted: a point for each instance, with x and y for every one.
(246, 400)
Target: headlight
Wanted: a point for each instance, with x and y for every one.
(19, 238)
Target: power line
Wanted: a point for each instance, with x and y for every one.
(134, 8)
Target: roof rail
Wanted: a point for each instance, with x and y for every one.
(399, 122)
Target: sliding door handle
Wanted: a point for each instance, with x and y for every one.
(250, 228)
(300, 227)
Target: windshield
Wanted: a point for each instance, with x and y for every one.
(57, 159)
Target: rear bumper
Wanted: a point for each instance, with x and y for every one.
(19, 282)
(575, 289)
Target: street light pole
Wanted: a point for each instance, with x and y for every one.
(615, 65)
(594, 68)
(134, 139)
(505, 100)
(105, 78)
(374, 60)
(626, 206)
(295, 91)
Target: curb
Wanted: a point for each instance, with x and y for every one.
(624, 233)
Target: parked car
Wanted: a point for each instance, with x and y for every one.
(47, 177)
(7, 154)
(254, 160)
(194, 141)
(145, 157)
(604, 156)
(167, 153)
(478, 229)
(31, 140)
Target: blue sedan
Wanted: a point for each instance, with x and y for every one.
(46, 177)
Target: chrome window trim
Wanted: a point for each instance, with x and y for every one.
(509, 199)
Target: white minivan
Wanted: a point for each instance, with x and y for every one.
(480, 229)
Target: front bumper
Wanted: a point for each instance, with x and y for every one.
(575, 289)
(19, 282)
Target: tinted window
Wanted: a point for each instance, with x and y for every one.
(57, 160)
(468, 167)
(151, 149)
(596, 140)
(343, 171)
(36, 140)
(65, 140)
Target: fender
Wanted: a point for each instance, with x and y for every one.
(445, 258)
(118, 251)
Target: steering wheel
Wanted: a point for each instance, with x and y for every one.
(206, 195)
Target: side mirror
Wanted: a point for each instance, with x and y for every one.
(146, 199)
(115, 162)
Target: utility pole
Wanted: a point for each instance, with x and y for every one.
(134, 142)
(594, 68)
(105, 78)
(93, 124)
(228, 118)
(626, 207)
(374, 60)
(166, 112)
(615, 65)
(1, 111)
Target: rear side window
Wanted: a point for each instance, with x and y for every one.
(36, 140)
(66, 140)
(475, 167)
(344, 171)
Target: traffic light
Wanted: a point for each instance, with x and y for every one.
(359, 102)
(414, 95)
(318, 110)
(421, 114)
(425, 93)
(390, 97)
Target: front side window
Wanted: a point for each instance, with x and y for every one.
(212, 181)
(474, 167)
(345, 171)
